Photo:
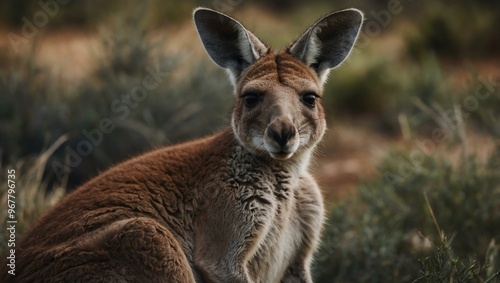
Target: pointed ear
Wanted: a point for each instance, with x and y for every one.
(228, 43)
(329, 41)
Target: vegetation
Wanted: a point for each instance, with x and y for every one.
(38, 108)
(32, 196)
(426, 217)
(379, 234)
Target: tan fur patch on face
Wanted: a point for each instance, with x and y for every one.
(280, 81)
(281, 68)
(292, 71)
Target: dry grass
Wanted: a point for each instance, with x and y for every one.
(32, 196)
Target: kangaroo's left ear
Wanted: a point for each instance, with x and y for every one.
(328, 42)
(228, 43)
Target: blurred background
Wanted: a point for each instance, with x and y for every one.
(410, 165)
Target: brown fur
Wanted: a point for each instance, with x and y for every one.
(238, 206)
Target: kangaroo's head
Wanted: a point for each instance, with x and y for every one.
(278, 111)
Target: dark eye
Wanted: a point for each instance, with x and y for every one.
(309, 99)
(251, 99)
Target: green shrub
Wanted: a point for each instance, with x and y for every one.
(422, 94)
(91, 13)
(381, 88)
(375, 235)
(37, 108)
(30, 104)
(463, 31)
(444, 266)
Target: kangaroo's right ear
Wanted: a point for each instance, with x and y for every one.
(228, 43)
(329, 41)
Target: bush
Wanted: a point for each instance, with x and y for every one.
(375, 235)
(89, 14)
(423, 94)
(381, 88)
(452, 35)
(36, 108)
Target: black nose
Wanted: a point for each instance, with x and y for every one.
(281, 136)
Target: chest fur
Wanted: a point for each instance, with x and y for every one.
(268, 196)
(279, 243)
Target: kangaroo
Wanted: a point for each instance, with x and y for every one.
(237, 206)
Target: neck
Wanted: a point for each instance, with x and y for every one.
(297, 164)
